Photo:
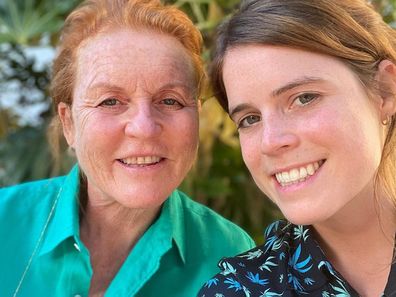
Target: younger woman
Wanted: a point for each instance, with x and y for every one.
(311, 86)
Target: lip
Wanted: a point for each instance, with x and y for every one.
(141, 160)
(295, 186)
(140, 169)
(143, 165)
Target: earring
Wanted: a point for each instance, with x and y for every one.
(386, 121)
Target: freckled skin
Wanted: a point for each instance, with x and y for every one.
(341, 125)
(139, 69)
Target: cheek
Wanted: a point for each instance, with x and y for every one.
(251, 152)
(95, 133)
(351, 139)
(254, 160)
(365, 143)
(355, 131)
(324, 128)
(186, 131)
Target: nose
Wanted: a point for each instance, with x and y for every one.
(143, 122)
(278, 135)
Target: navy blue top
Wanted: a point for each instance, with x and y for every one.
(290, 263)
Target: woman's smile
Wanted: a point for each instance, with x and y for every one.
(134, 110)
(141, 161)
(306, 114)
(297, 175)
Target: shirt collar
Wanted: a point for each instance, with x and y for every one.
(173, 211)
(65, 219)
(307, 266)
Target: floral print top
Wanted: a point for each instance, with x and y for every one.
(290, 263)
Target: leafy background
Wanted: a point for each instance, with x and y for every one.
(219, 178)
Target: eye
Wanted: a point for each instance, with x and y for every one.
(171, 103)
(109, 102)
(305, 98)
(248, 121)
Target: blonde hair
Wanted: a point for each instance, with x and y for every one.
(95, 16)
(350, 30)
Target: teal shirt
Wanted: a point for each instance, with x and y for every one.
(42, 254)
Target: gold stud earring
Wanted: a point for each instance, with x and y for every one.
(386, 121)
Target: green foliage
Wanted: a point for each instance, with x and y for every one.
(25, 21)
(17, 67)
(387, 8)
(28, 157)
(24, 152)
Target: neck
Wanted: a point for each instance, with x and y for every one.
(110, 232)
(361, 238)
(364, 217)
(114, 225)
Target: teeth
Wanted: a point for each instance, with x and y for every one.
(310, 169)
(285, 176)
(294, 174)
(297, 175)
(303, 172)
(141, 160)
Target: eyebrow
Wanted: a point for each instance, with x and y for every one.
(279, 91)
(295, 83)
(178, 85)
(238, 108)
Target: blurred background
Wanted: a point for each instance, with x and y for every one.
(29, 30)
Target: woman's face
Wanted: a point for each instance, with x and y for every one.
(310, 136)
(134, 119)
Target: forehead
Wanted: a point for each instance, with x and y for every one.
(275, 60)
(124, 54)
(262, 69)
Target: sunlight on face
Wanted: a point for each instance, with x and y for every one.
(134, 115)
(309, 134)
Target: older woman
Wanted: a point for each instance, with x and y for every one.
(125, 87)
(311, 86)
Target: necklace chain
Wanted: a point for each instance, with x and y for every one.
(37, 244)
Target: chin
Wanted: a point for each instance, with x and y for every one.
(302, 218)
(139, 200)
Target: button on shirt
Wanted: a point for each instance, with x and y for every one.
(290, 263)
(42, 254)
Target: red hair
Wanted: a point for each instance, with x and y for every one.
(95, 16)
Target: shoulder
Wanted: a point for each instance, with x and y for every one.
(38, 193)
(289, 263)
(200, 213)
(212, 226)
(247, 274)
(261, 271)
(29, 194)
(24, 208)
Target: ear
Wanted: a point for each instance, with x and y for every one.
(65, 115)
(386, 77)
